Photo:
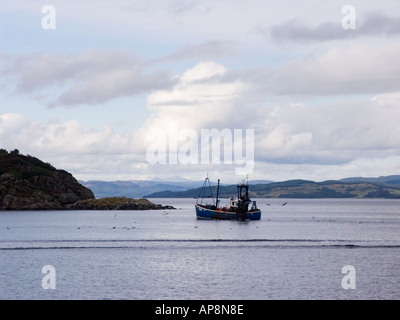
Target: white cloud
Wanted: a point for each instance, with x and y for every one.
(12, 122)
(332, 133)
(61, 138)
(201, 98)
(69, 145)
(289, 134)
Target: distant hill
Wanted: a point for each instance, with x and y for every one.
(389, 181)
(356, 187)
(134, 188)
(301, 189)
(141, 188)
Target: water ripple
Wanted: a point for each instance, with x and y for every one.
(193, 243)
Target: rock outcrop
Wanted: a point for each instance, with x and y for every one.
(27, 183)
(117, 203)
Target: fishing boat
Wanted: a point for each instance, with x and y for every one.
(238, 208)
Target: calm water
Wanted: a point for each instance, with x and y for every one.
(296, 251)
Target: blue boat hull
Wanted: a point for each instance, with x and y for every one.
(208, 214)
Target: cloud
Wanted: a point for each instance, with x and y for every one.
(335, 133)
(294, 30)
(287, 137)
(95, 77)
(356, 69)
(90, 77)
(380, 24)
(87, 153)
(11, 122)
(292, 135)
(376, 24)
(331, 133)
(208, 50)
(201, 98)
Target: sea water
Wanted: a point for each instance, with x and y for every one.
(300, 250)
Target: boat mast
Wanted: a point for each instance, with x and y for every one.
(216, 204)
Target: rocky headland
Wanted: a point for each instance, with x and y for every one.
(27, 183)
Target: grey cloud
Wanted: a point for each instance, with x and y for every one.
(359, 69)
(212, 49)
(109, 86)
(89, 77)
(374, 25)
(380, 24)
(295, 31)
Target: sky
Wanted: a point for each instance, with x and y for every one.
(126, 90)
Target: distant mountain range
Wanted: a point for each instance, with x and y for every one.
(355, 187)
(382, 187)
(135, 188)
